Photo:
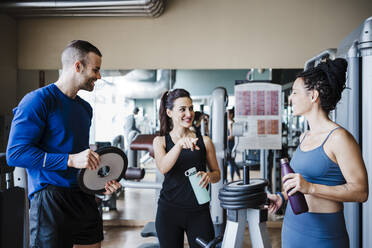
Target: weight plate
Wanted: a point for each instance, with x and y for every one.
(243, 204)
(113, 165)
(223, 192)
(251, 197)
(254, 183)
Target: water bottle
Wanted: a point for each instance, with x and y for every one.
(297, 200)
(202, 194)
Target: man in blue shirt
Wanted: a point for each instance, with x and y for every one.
(49, 137)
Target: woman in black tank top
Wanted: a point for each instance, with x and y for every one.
(177, 150)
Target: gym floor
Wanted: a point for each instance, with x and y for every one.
(136, 207)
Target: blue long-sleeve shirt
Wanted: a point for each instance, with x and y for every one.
(47, 127)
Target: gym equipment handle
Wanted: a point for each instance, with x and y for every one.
(245, 174)
(211, 244)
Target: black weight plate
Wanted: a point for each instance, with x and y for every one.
(253, 203)
(113, 165)
(250, 204)
(242, 205)
(251, 197)
(258, 199)
(240, 193)
(254, 183)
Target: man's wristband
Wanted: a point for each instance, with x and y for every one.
(281, 196)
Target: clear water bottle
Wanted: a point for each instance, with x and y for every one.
(297, 200)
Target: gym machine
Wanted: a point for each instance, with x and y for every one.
(14, 204)
(258, 125)
(244, 202)
(354, 113)
(218, 134)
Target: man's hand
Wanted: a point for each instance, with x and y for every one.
(111, 187)
(85, 159)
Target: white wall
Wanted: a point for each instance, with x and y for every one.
(200, 34)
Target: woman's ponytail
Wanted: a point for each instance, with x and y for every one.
(163, 117)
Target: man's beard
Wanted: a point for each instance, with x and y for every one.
(89, 84)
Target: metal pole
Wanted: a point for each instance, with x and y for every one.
(218, 132)
(365, 46)
(348, 115)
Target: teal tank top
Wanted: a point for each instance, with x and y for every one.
(316, 167)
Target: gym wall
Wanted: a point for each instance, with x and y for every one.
(194, 34)
(28, 80)
(8, 64)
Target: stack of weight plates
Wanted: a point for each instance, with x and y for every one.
(236, 195)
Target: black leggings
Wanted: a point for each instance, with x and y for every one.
(171, 224)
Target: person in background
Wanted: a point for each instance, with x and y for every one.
(329, 168)
(196, 124)
(231, 143)
(206, 123)
(178, 149)
(118, 141)
(49, 137)
(130, 125)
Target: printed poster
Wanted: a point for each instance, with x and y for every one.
(258, 108)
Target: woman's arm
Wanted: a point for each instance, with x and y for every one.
(348, 156)
(165, 161)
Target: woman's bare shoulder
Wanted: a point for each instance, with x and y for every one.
(158, 140)
(341, 136)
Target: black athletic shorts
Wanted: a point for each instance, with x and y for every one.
(61, 217)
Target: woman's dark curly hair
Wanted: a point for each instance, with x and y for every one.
(166, 102)
(328, 78)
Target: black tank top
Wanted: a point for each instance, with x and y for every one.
(177, 190)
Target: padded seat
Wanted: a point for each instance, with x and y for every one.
(149, 230)
(143, 142)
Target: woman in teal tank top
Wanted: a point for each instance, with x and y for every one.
(328, 165)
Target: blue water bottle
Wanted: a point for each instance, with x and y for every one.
(202, 194)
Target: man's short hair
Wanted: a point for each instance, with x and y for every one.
(135, 110)
(78, 50)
